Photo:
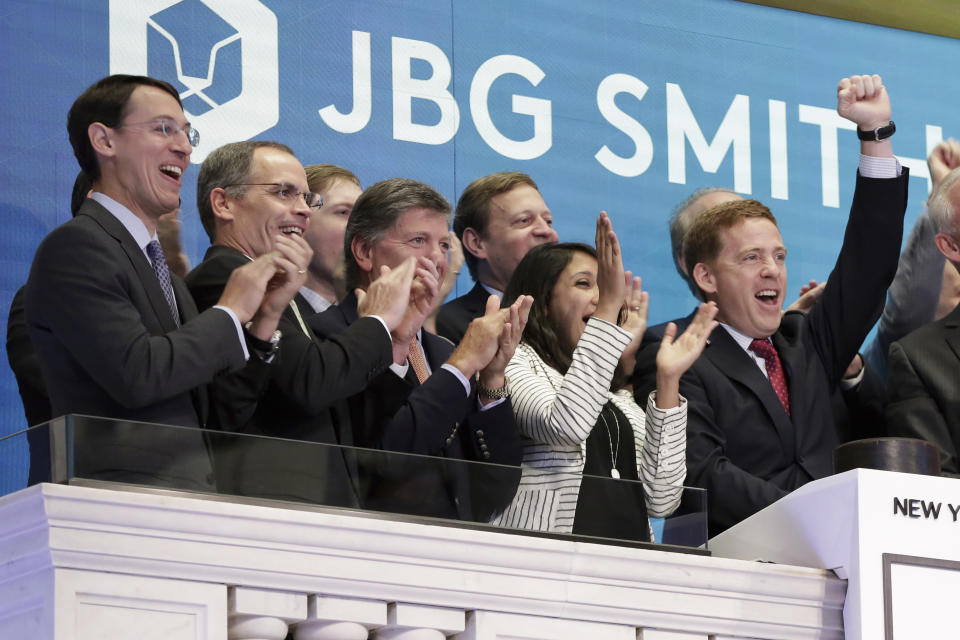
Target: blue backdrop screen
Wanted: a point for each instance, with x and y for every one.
(625, 106)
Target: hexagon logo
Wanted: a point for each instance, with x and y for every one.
(220, 54)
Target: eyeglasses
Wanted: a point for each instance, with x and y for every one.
(285, 192)
(167, 128)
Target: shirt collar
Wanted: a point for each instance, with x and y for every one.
(128, 219)
(492, 291)
(317, 301)
(740, 338)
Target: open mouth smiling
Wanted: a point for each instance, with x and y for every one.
(172, 171)
(767, 296)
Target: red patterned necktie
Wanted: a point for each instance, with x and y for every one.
(765, 350)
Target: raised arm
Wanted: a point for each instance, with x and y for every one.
(854, 295)
(915, 291)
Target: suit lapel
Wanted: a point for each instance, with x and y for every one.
(726, 355)
(791, 358)
(951, 330)
(297, 311)
(185, 302)
(188, 310)
(477, 300)
(436, 349)
(138, 261)
(348, 308)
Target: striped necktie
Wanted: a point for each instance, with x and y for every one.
(159, 262)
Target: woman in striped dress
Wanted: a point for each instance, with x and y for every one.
(571, 401)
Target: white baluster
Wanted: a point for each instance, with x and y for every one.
(420, 622)
(261, 614)
(331, 618)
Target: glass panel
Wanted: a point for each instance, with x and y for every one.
(298, 474)
(31, 451)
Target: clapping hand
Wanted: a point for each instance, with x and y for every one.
(633, 318)
(809, 294)
(677, 355)
(610, 278)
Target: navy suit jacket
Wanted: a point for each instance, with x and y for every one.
(436, 418)
(456, 315)
(741, 444)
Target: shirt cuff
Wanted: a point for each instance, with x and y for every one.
(462, 378)
(879, 167)
(384, 323)
(849, 383)
(652, 404)
(399, 369)
(236, 323)
(487, 407)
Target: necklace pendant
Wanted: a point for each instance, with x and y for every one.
(614, 474)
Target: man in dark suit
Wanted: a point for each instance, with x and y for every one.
(924, 399)
(759, 419)
(858, 403)
(116, 335)
(435, 400)
(498, 219)
(250, 195)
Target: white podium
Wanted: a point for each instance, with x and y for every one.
(895, 537)
(85, 563)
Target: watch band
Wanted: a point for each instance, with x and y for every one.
(264, 349)
(495, 394)
(880, 133)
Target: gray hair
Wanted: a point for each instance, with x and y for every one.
(680, 221)
(377, 211)
(941, 208)
(227, 165)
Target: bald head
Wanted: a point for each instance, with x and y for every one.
(683, 217)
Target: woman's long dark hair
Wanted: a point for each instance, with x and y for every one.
(536, 275)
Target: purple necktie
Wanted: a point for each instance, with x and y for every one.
(159, 262)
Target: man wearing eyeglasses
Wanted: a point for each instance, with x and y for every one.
(249, 194)
(116, 334)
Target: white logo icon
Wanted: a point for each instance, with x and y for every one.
(254, 110)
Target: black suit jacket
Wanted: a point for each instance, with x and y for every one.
(741, 444)
(923, 370)
(25, 365)
(436, 418)
(33, 392)
(108, 346)
(456, 315)
(302, 399)
(857, 412)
